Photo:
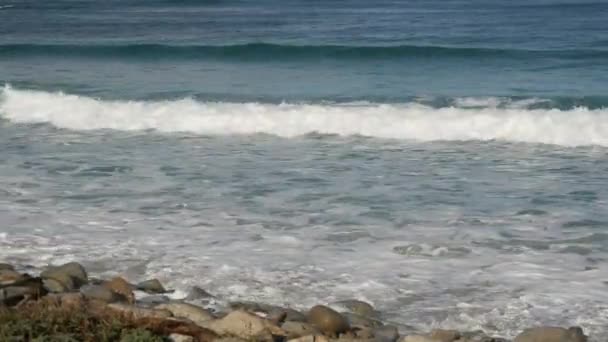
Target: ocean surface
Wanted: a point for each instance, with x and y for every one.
(443, 160)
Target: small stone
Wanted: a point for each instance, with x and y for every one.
(245, 325)
(386, 333)
(327, 320)
(358, 307)
(442, 335)
(151, 286)
(298, 329)
(120, 286)
(181, 338)
(552, 334)
(8, 276)
(198, 293)
(4, 266)
(137, 312)
(194, 313)
(100, 293)
(73, 270)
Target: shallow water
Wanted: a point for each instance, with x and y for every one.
(433, 158)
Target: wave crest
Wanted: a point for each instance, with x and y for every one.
(412, 121)
(256, 51)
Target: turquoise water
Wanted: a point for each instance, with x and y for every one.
(444, 160)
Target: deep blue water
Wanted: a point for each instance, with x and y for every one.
(387, 51)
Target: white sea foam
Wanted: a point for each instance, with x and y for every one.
(579, 126)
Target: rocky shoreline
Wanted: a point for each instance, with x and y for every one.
(69, 288)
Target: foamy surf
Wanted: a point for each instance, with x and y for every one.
(411, 121)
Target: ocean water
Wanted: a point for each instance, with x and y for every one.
(443, 160)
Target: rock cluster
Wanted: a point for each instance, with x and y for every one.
(70, 286)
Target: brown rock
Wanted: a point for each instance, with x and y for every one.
(139, 312)
(327, 320)
(8, 276)
(442, 335)
(552, 334)
(245, 325)
(194, 313)
(298, 329)
(121, 287)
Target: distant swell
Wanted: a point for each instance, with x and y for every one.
(277, 51)
(412, 121)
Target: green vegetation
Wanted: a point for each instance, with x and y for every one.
(42, 322)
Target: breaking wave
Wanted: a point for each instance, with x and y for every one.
(411, 121)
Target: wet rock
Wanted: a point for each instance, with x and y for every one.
(386, 333)
(361, 322)
(72, 270)
(151, 286)
(245, 325)
(358, 307)
(4, 266)
(100, 293)
(327, 320)
(295, 329)
(194, 313)
(8, 276)
(552, 334)
(137, 312)
(121, 287)
(442, 335)
(198, 293)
